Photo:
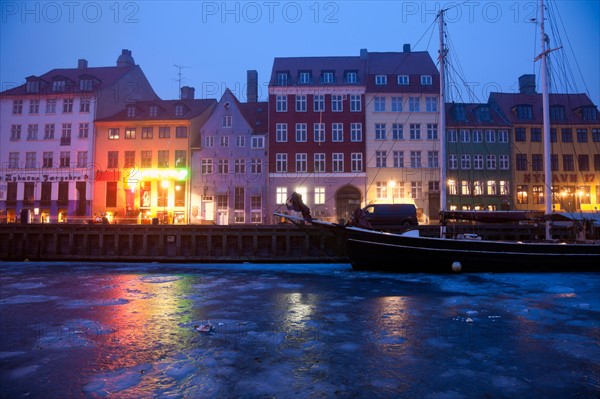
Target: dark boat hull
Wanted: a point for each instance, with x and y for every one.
(396, 253)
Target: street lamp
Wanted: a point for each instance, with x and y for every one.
(165, 186)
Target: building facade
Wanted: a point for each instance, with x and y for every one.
(229, 179)
(316, 134)
(47, 137)
(142, 170)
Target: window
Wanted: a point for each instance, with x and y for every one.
(111, 194)
(589, 113)
(67, 105)
(413, 104)
(13, 160)
(504, 162)
(490, 161)
(240, 141)
(380, 159)
(319, 103)
(257, 142)
(239, 197)
(82, 159)
(415, 131)
(582, 136)
(459, 113)
(222, 201)
(129, 133)
(51, 106)
(396, 104)
(337, 132)
(63, 192)
(65, 159)
(379, 104)
(223, 166)
(432, 133)
(477, 188)
(179, 195)
(327, 77)
(129, 161)
(301, 163)
(281, 103)
(465, 136)
(34, 106)
(524, 112)
(224, 141)
(520, 134)
(381, 80)
(30, 160)
(426, 80)
(416, 189)
(319, 195)
(381, 190)
(355, 103)
(113, 133)
(554, 162)
(403, 80)
(281, 132)
(319, 132)
(164, 132)
(86, 84)
(465, 161)
(180, 158)
(356, 132)
(336, 103)
(146, 161)
(301, 134)
(281, 195)
(597, 164)
(48, 161)
(84, 105)
(300, 103)
(281, 163)
(490, 136)
(304, 78)
(537, 163)
(431, 104)
(433, 159)
(32, 131)
(28, 193)
(17, 107)
(153, 110)
(226, 121)
(583, 161)
(255, 166)
(113, 160)
(351, 77)
(566, 135)
(415, 159)
(147, 132)
(398, 158)
(338, 162)
(356, 162)
(452, 136)
(557, 112)
(239, 166)
(380, 131)
(319, 162)
(209, 141)
(181, 132)
(84, 130)
(453, 161)
(538, 194)
(206, 166)
(522, 194)
(179, 110)
(536, 135)
(282, 78)
(163, 159)
(33, 87)
(46, 195)
(521, 161)
(465, 187)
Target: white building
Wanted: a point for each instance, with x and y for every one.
(47, 137)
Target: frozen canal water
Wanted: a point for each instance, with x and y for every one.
(72, 330)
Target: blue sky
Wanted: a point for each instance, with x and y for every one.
(492, 42)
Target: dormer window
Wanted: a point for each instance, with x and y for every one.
(524, 112)
(327, 77)
(403, 80)
(86, 84)
(484, 113)
(179, 110)
(351, 77)
(59, 85)
(557, 113)
(153, 110)
(130, 111)
(282, 79)
(589, 113)
(426, 80)
(381, 80)
(304, 78)
(458, 113)
(33, 86)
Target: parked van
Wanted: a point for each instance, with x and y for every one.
(389, 216)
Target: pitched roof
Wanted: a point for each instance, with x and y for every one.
(572, 103)
(257, 115)
(102, 77)
(475, 115)
(401, 63)
(166, 109)
(316, 65)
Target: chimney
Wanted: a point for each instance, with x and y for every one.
(252, 86)
(527, 84)
(364, 53)
(125, 59)
(82, 64)
(406, 48)
(187, 93)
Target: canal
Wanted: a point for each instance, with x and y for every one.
(131, 330)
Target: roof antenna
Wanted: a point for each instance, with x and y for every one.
(179, 78)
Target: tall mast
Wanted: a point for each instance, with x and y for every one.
(442, 127)
(546, 121)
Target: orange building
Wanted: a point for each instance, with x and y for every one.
(142, 159)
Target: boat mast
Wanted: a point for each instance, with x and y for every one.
(442, 127)
(546, 121)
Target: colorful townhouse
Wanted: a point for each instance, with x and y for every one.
(478, 147)
(229, 158)
(575, 147)
(401, 130)
(317, 134)
(47, 137)
(142, 170)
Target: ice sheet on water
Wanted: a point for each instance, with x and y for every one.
(160, 279)
(109, 383)
(19, 299)
(7, 354)
(85, 303)
(24, 285)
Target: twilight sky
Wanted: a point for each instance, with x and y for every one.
(491, 42)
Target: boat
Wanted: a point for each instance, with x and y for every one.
(373, 250)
